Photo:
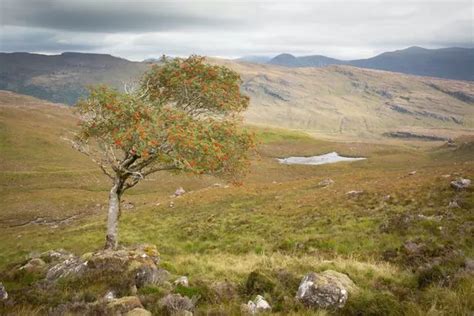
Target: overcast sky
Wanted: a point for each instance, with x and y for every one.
(138, 29)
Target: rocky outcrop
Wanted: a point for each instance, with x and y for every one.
(327, 290)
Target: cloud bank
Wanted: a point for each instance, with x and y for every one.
(144, 28)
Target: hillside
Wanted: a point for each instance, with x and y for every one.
(404, 238)
(450, 63)
(64, 78)
(345, 100)
(335, 101)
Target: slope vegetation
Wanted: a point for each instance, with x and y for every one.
(405, 239)
(345, 100)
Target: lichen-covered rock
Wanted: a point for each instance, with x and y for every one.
(138, 312)
(123, 305)
(258, 305)
(460, 184)
(72, 266)
(327, 290)
(3, 292)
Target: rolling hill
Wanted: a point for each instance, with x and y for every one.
(337, 100)
(450, 63)
(345, 100)
(63, 78)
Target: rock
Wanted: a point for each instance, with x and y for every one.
(326, 182)
(171, 204)
(175, 303)
(354, 193)
(55, 255)
(453, 204)
(123, 305)
(412, 173)
(150, 275)
(258, 305)
(3, 292)
(179, 191)
(183, 281)
(460, 184)
(72, 266)
(327, 290)
(110, 296)
(138, 312)
(34, 265)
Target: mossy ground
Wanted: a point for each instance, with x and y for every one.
(281, 222)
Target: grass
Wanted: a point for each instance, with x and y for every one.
(281, 222)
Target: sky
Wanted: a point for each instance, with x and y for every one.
(140, 29)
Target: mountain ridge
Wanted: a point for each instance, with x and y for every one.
(449, 63)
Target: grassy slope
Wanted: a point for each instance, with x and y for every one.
(280, 218)
(348, 101)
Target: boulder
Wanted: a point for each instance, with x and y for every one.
(134, 265)
(258, 305)
(123, 305)
(183, 281)
(460, 184)
(326, 290)
(3, 292)
(138, 312)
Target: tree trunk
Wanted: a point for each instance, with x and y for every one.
(111, 240)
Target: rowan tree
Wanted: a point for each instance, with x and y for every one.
(183, 116)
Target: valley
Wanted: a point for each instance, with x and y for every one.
(283, 222)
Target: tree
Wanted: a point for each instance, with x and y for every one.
(183, 116)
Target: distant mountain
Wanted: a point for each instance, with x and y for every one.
(64, 78)
(450, 63)
(255, 59)
(289, 60)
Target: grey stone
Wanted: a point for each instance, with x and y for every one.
(460, 184)
(3, 292)
(327, 290)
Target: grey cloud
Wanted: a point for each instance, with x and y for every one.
(144, 28)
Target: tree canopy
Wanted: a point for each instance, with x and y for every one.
(183, 116)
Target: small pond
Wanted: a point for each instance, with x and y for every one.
(317, 160)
